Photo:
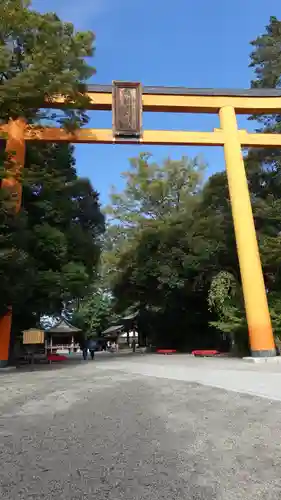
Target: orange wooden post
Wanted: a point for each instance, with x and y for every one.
(256, 306)
(15, 149)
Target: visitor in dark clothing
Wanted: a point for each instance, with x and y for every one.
(84, 349)
(92, 348)
(134, 344)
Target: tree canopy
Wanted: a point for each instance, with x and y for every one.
(50, 250)
(41, 56)
(95, 313)
(167, 248)
(153, 194)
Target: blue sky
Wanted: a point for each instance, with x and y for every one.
(202, 43)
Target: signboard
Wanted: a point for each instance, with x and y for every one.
(126, 110)
(33, 336)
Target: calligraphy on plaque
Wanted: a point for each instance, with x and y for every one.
(127, 109)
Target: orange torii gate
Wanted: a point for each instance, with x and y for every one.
(127, 101)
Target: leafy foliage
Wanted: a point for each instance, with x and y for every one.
(41, 56)
(95, 313)
(225, 299)
(154, 192)
(266, 62)
(266, 58)
(169, 249)
(51, 249)
(55, 240)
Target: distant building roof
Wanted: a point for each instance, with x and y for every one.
(63, 327)
(130, 316)
(112, 329)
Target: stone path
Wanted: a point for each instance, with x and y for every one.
(138, 428)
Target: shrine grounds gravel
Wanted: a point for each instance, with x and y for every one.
(136, 427)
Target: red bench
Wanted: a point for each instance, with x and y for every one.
(56, 357)
(166, 351)
(205, 352)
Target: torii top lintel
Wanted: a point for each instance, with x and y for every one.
(187, 100)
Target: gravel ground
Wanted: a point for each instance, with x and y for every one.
(86, 431)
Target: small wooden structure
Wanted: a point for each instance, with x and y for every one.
(124, 333)
(63, 335)
(131, 329)
(33, 336)
(112, 333)
(33, 347)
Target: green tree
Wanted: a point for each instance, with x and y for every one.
(155, 192)
(152, 193)
(266, 58)
(41, 56)
(169, 253)
(264, 163)
(95, 313)
(225, 299)
(166, 273)
(51, 250)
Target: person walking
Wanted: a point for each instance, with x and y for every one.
(134, 344)
(84, 349)
(92, 348)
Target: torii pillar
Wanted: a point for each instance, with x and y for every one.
(15, 150)
(258, 318)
